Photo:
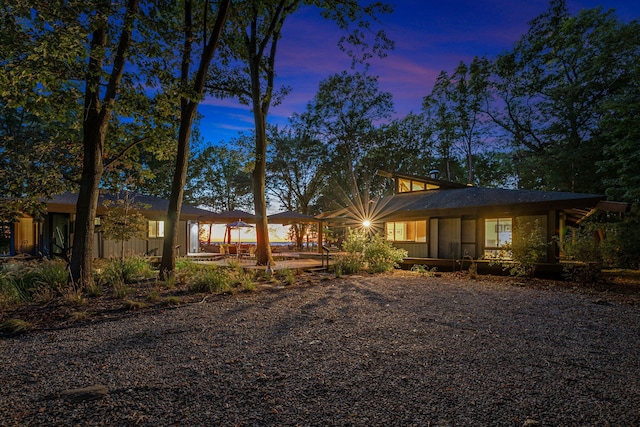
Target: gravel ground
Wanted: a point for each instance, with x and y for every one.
(386, 350)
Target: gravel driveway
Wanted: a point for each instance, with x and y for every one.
(386, 350)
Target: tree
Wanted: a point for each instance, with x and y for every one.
(344, 115)
(218, 179)
(456, 106)
(297, 174)
(255, 32)
(550, 92)
(64, 51)
(123, 220)
(192, 91)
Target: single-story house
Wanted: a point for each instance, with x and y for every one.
(437, 219)
(55, 233)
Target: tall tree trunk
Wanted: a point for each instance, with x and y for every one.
(258, 176)
(170, 242)
(189, 108)
(95, 125)
(82, 250)
(263, 246)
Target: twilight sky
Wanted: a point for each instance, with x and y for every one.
(430, 36)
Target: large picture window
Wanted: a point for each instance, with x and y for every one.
(407, 231)
(497, 232)
(156, 229)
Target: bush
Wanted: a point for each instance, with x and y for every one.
(355, 241)
(527, 248)
(288, 276)
(33, 281)
(348, 264)
(382, 256)
(126, 270)
(584, 273)
(211, 279)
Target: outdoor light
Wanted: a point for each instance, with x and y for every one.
(366, 223)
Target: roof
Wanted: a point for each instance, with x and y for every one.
(291, 217)
(470, 200)
(152, 206)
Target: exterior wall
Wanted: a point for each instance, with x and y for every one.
(104, 248)
(456, 238)
(414, 250)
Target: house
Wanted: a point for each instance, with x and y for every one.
(436, 219)
(54, 233)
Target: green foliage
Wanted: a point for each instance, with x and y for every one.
(580, 245)
(288, 276)
(424, 270)
(382, 256)
(621, 245)
(127, 270)
(211, 279)
(15, 326)
(39, 281)
(527, 248)
(348, 264)
(355, 241)
(123, 220)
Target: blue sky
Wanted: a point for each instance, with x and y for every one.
(430, 36)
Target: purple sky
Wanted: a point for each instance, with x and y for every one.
(430, 36)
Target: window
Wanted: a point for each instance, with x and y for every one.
(156, 228)
(408, 185)
(407, 231)
(497, 232)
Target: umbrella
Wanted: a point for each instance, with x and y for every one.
(238, 224)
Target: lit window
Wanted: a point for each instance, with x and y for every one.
(417, 186)
(407, 231)
(404, 185)
(497, 232)
(156, 229)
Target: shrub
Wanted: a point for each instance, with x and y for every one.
(33, 281)
(288, 276)
(126, 270)
(9, 293)
(349, 263)
(585, 266)
(355, 242)
(246, 282)
(424, 270)
(527, 248)
(187, 271)
(212, 279)
(382, 256)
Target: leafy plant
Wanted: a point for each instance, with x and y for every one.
(527, 247)
(288, 276)
(424, 270)
(381, 255)
(355, 242)
(349, 263)
(212, 279)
